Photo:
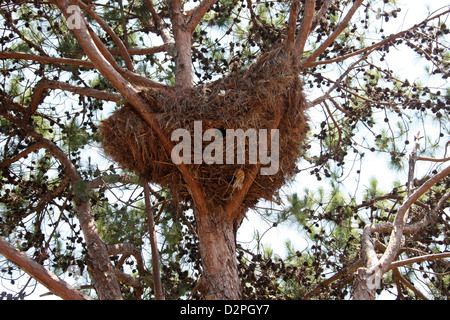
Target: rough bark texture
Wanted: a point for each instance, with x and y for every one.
(218, 254)
(364, 286)
(100, 268)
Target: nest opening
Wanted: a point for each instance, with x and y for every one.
(248, 99)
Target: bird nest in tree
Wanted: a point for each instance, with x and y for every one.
(266, 95)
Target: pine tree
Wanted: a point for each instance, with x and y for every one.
(69, 213)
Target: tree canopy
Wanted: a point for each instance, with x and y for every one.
(371, 193)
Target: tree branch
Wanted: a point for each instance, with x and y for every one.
(292, 24)
(399, 222)
(184, 75)
(342, 273)
(49, 60)
(33, 147)
(129, 280)
(110, 178)
(305, 28)
(123, 50)
(127, 74)
(51, 84)
(197, 14)
(427, 257)
(323, 9)
(38, 272)
(162, 29)
(399, 276)
(128, 249)
(340, 27)
(159, 294)
(141, 51)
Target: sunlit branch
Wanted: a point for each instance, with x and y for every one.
(197, 14)
(51, 84)
(305, 28)
(340, 27)
(49, 60)
(123, 50)
(292, 24)
(38, 272)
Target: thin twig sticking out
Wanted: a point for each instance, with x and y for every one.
(159, 294)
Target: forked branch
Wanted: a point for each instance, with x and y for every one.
(122, 48)
(51, 84)
(340, 27)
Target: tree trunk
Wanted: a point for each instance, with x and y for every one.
(99, 265)
(365, 285)
(184, 76)
(217, 239)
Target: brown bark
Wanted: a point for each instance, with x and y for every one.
(38, 272)
(99, 266)
(363, 291)
(184, 76)
(340, 27)
(197, 14)
(159, 294)
(305, 28)
(291, 28)
(217, 240)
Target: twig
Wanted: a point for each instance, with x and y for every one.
(159, 294)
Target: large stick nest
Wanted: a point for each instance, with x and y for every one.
(249, 99)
